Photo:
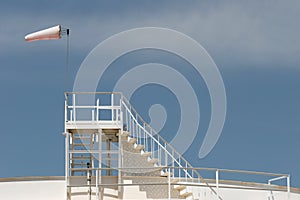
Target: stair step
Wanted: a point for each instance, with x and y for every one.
(81, 144)
(138, 146)
(153, 160)
(166, 174)
(179, 187)
(131, 140)
(82, 138)
(80, 158)
(174, 180)
(125, 133)
(146, 153)
(186, 194)
(78, 164)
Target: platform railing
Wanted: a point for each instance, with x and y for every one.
(87, 106)
(159, 148)
(215, 183)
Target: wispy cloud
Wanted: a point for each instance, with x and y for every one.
(235, 33)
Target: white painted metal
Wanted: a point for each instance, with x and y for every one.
(144, 139)
(217, 184)
(169, 184)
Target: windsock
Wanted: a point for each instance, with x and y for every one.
(52, 33)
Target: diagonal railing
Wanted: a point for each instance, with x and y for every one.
(121, 113)
(159, 148)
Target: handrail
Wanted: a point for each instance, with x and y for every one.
(158, 145)
(156, 141)
(185, 169)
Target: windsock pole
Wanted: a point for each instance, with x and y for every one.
(67, 59)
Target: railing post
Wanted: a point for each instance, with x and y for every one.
(136, 129)
(186, 172)
(166, 155)
(159, 151)
(71, 115)
(93, 115)
(152, 145)
(192, 176)
(169, 184)
(97, 185)
(132, 125)
(74, 107)
(288, 184)
(66, 111)
(173, 163)
(67, 167)
(97, 111)
(145, 144)
(112, 107)
(217, 183)
(179, 170)
(127, 122)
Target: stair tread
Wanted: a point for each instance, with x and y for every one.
(125, 133)
(80, 138)
(80, 158)
(166, 174)
(82, 144)
(186, 194)
(146, 153)
(153, 160)
(138, 146)
(131, 140)
(179, 187)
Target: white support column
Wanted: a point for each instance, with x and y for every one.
(217, 183)
(186, 171)
(112, 105)
(74, 107)
(288, 184)
(67, 163)
(97, 184)
(97, 110)
(169, 184)
(66, 112)
(67, 160)
(173, 163)
(120, 160)
(166, 155)
(100, 155)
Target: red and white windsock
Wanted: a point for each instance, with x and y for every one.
(52, 33)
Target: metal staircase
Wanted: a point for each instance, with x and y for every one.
(106, 137)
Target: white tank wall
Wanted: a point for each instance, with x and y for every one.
(55, 190)
(240, 193)
(32, 190)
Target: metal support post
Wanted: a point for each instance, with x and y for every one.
(112, 105)
(100, 155)
(288, 184)
(217, 184)
(67, 163)
(89, 180)
(169, 184)
(74, 107)
(97, 184)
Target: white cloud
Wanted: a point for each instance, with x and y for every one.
(254, 33)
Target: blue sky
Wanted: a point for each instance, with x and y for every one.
(255, 45)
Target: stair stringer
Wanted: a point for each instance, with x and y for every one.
(133, 162)
(132, 158)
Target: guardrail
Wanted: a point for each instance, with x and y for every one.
(169, 160)
(215, 183)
